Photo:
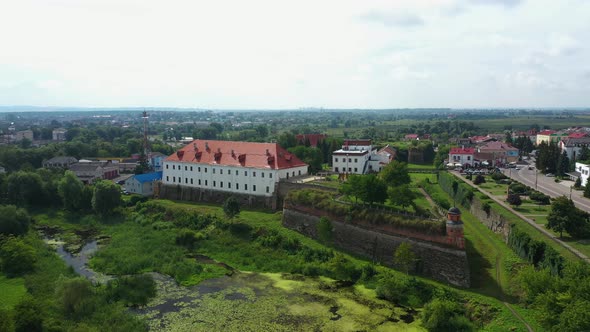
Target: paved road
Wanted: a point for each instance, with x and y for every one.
(548, 186)
(500, 201)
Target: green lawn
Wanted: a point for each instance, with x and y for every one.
(13, 289)
(494, 188)
(533, 209)
(420, 166)
(418, 177)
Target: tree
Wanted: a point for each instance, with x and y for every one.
(404, 256)
(563, 164)
(353, 187)
(396, 173)
(25, 188)
(13, 221)
(28, 316)
(401, 195)
(584, 153)
(587, 190)
(106, 197)
(132, 290)
(565, 216)
(70, 190)
(325, 229)
(16, 257)
(231, 207)
(374, 189)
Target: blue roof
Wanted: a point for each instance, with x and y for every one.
(148, 177)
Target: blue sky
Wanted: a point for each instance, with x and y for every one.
(289, 54)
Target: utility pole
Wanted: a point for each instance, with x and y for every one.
(536, 174)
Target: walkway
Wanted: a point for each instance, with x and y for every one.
(528, 220)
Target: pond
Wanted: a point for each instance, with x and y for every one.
(272, 302)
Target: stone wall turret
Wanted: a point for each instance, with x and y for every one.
(455, 228)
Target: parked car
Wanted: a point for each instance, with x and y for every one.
(530, 168)
(550, 175)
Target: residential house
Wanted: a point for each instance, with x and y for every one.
(381, 158)
(544, 136)
(232, 167)
(462, 156)
(573, 146)
(156, 160)
(353, 157)
(411, 137)
(582, 172)
(143, 184)
(60, 162)
(89, 171)
(24, 134)
(497, 153)
(59, 134)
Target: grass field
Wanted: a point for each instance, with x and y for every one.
(13, 289)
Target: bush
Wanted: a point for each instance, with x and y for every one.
(479, 180)
(540, 198)
(132, 290)
(28, 316)
(188, 238)
(324, 229)
(498, 176)
(445, 315)
(405, 291)
(514, 200)
(486, 207)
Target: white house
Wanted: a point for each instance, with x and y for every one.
(234, 167)
(584, 172)
(143, 184)
(463, 156)
(573, 146)
(353, 157)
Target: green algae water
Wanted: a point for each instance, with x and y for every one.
(272, 302)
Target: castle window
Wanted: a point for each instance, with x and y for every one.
(262, 174)
(185, 180)
(254, 188)
(173, 179)
(246, 186)
(191, 168)
(220, 184)
(237, 186)
(253, 174)
(167, 177)
(167, 166)
(336, 159)
(191, 181)
(214, 171)
(267, 189)
(270, 175)
(221, 171)
(199, 182)
(199, 168)
(245, 173)
(214, 183)
(236, 172)
(206, 183)
(186, 168)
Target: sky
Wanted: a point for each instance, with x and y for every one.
(288, 54)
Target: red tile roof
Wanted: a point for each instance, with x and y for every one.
(577, 135)
(230, 153)
(412, 136)
(546, 132)
(496, 146)
(462, 151)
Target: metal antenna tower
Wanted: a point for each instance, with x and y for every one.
(146, 143)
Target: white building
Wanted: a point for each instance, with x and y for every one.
(463, 156)
(353, 157)
(584, 172)
(234, 167)
(573, 146)
(358, 157)
(59, 134)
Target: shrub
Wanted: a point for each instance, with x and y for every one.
(188, 238)
(324, 229)
(498, 176)
(132, 290)
(540, 198)
(445, 315)
(13, 221)
(486, 207)
(514, 200)
(479, 180)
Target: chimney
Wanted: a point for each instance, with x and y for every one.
(206, 145)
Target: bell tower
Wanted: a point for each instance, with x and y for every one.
(455, 228)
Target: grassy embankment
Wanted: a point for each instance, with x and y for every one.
(13, 289)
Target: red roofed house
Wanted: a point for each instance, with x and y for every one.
(232, 167)
(577, 134)
(410, 137)
(314, 139)
(497, 153)
(544, 135)
(463, 156)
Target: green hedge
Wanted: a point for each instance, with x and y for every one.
(323, 200)
(535, 252)
(460, 191)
